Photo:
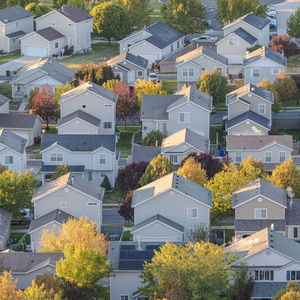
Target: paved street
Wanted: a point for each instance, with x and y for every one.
(16, 64)
(111, 216)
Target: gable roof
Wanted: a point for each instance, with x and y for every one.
(144, 153)
(267, 289)
(176, 182)
(257, 22)
(15, 34)
(74, 13)
(256, 188)
(12, 141)
(264, 52)
(15, 121)
(292, 213)
(79, 142)
(72, 180)
(250, 225)
(135, 59)
(49, 33)
(80, 115)
(14, 13)
(3, 100)
(5, 218)
(246, 36)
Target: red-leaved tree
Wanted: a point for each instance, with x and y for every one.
(125, 210)
(284, 44)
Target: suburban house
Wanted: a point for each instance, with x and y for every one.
(188, 108)
(5, 219)
(87, 109)
(25, 125)
(64, 28)
(12, 151)
(241, 34)
(4, 104)
(15, 22)
(273, 259)
(26, 266)
(263, 63)
(192, 65)
(38, 73)
(271, 149)
(168, 208)
(155, 42)
(92, 156)
(129, 67)
(249, 111)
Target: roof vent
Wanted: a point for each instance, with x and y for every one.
(272, 229)
(253, 89)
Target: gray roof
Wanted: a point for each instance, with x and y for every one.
(72, 180)
(144, 153)
(249, 115)
(135, 59)
(256, 188)
(56, 215)
(72, 169)
(292, 213)
(12, 141)
(175, 182)
(3, 100)
(246, 36)
(257, 225)
(99, 90)
(159, 218)
(264, 52)
(5, 218)
(80, 115)
(74, 13)
(14, 13)
(253, 20)
(16, 121)
(15, 34)
(80, 142)
(50, 34)
(267, 289)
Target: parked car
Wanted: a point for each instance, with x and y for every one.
(153, 77)
(213, 110)
(271, 12)
(273, 23)
(204, 38)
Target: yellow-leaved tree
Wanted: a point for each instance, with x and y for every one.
(35, 292)
(8, 287)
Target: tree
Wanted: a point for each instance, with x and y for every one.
(126, 104)
(284, 44)
(256, 47)
(159, 167)
(36, 292)
(60, 171)
(293, 24)
(49, 282)
(8, 289)
(37, 9)
(59, 3)
(213, 84)
(186, 16)
(286, 88)
(125, 210)
(193, 171)
(147, 87)
(109, 84)
(42, 104)
(110, 21)
(2, 169)
(199, 232)
(81, 232)
(129, 177)
(154, 138)
(229, 10)
(291, 292)
(199, 271)
(78, 3)
(106, 184)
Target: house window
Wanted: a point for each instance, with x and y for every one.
(70, 24)
(128, 45)
(219, 69)
(14, 40)
(188, 72)
(63, 204)
(107, 105)
(90, 176)
(139, 74)
(260, 213)
(261, 109)
(18, 87)
(177, 44)
(119, 74)
(292, 275)
(173, 159)
(83, 106)
(107, 125)
(275, 71)
(56, 45)
(17, 24)
(171, 48)
(88, 38)
(255, 73)
(92, 204)
(281, 157)
(162, 127)
(124, 297)
(192, 212)
(70, 42)
(295, 232)
(184, 117)
(233, 41)
(56, 157)
(203, 70)
(238, 157)
(268, 156)
(184, 72)
(264, 275)
(191, 72)
(53, 24)
(102, 159)
(102, 174)
(78, 41)
(182, 41)
(9, 160)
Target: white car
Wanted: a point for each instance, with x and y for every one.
(153, 77)
(271, 12)
(204, 38)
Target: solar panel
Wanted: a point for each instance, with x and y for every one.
(127, 247)
(152, 247)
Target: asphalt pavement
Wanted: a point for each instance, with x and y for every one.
(111, 216)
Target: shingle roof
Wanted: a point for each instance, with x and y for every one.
(135, 59)
(3, 100)
(12, 141)
(99, 90)
(159, 218)
(253, 20)
(50, 34)
(72, 169)
(80, 115)
(23, 121)
(267, 289)
(175, 182)
(15, 34)
(257, 225)
(264, 52)
(5, 218)
(246, 36)
(71, 180)
(80, 142)
(256, 188)
(144, 153)
(14, 13)
(74, 14)
(292, 213)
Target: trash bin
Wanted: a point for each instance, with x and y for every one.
(7, 72)
(221, 152)
(37, 140)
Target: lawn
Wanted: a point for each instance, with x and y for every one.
(170, 86)
(115, 197)
(155, 15)
(6, 58)
(294, 132)
(52, 129)
(33, 152)
(127, 235)
(5, 89)
(14, 105)
(214, 128)
(18, 236)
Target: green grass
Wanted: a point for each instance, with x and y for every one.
(155, 15)
(114, 197)
(127, 235)
(6, 58)
(213, 130)
(229, 234)
(33, 152)
(293, 61)
(14, 105)
(170, 86)
(5, 89)
(19, 226)
(221, 105)
(51, 130)
(18, 236)
(294, 132)
(292, 103)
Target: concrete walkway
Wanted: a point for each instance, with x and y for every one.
(19, 230)
(22, 107)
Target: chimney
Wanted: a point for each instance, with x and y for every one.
(139, 243)
(72, 179)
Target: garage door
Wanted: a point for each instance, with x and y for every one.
(38, 51)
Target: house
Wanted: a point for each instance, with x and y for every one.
(50, 221)
(249, 110)
(66, 27)
(155, 42)
(263, 63)
(168, 208)
(192, 65)
(4, 105)
(5, 219)
(70, 194)
(27, 266)
(271, 149)
(24, 125)
(12, 151)
(241, 34)
(92, 156)
(38, 73)
(129, 67)
(87, 109)
(188, 108)
(144, 153)
(273, 259)
(15, 22)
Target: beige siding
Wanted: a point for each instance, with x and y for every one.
(253, 31)
(77, 127)
(29, 78)
(224, 48)
(237, 109)
(83, 29)
(62, 42)
(33, 39)
(247, 129)
(255, 101)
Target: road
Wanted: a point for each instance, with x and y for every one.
(111, 216)
(16, 64)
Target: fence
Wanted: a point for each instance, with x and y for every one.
(296, 147)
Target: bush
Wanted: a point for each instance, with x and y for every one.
(153, 136)
(284, 44)
(106, 184)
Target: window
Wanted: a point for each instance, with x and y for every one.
(260, 213)
(233, 41)
(56, 45)
(9, 160)
(17, 24)
(292, 275)
(275, 71)
(83, 106)
(192, 212)
(184, 72)
(238, 156)
(88, 38)
(188, 72)
(90, 176)
(92, 204)
(171, 48)
(18, 87)
(119, 74)
(281, 157)
(107, 125)
(268, 156)
(128, 45)
(191, 72)
(56, 157)
(261, 109)
(173, 159)
(177, 44)
(102, 174)
(219, 69)
(203, 70)
(78, 41)
(70, 42)
(295, 232)
(182, 41)
(53, 24)
(184, 117)
(162, 127)
(139, 74)
(14, 40)
(255, 73)
(107, 105)
(102, 159)
(63, 204)
(124, 297)
(264, 275)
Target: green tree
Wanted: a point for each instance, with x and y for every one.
(293, 24)
(37, 9)
(106, 184)
(35, 292)
(109, 84)
(8, 289)
(154, 138)
(60, 171)
(256, 47)
(159, 167)
(186, 16)
(3, 168)
(59, 3)
(199, 232)
(291, 292)
(111, 21)
(78, 3)
(213, 84)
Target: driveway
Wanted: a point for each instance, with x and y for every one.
(111, 216)
(16, 64)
